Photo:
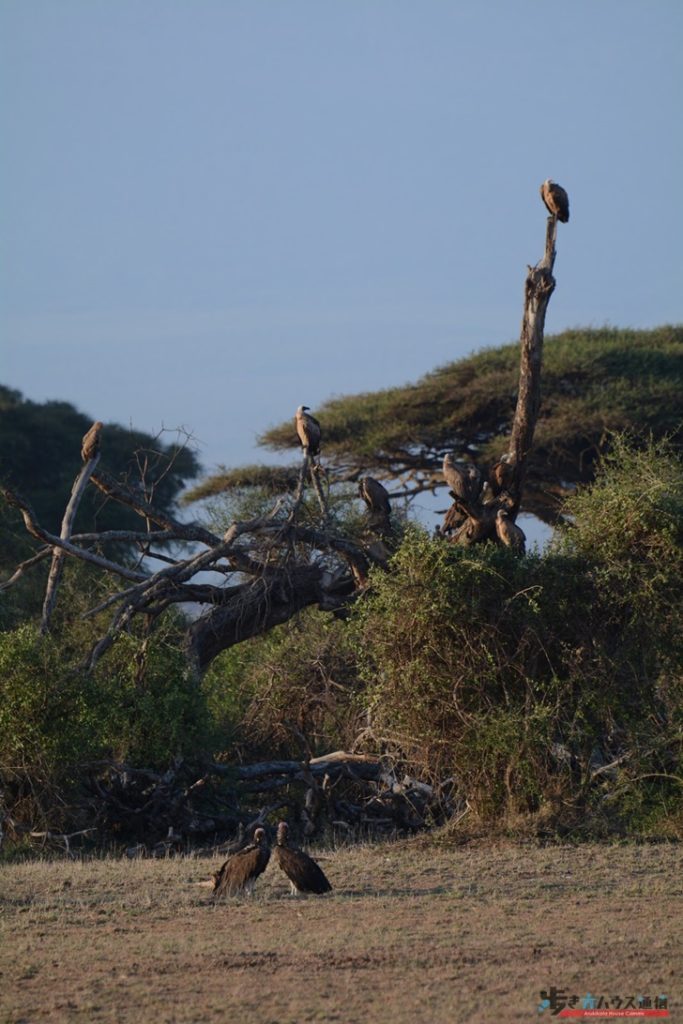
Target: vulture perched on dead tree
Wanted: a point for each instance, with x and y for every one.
(240, 871)
(508, 532)
(308, 429)
(556, 200)
(301, 870)
(90, 445)
(501, 475)
(375, 496)
(453, 520)
(464, 481)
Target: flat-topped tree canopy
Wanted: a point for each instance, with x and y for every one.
(595, 381)
(270, 479)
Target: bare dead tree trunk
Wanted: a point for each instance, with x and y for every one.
(58, 556)
(491, 514)
(316, 470)
(538, 288)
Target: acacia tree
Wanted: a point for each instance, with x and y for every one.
(597, 382)
(272, 566)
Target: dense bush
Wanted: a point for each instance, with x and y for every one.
(293, 691)
(549, 684)
(57, 722)
(549, 688)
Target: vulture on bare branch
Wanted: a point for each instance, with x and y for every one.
(464, 481)
(240, 871)
(301, 870)
(375, 496)
(90, 445)
(453, 520)
(556, 200)
(501, 475)
(509, 533)
(308, 429)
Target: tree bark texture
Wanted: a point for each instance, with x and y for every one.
(474, 520)
(58, 556)
(538, 288)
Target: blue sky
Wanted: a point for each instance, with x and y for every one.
(213, 212)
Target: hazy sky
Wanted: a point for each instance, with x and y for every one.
(213, 211)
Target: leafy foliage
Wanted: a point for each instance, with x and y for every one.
(631, 529)
(57, 722)
(269, 479)
(592, 380)
(295, 688)
(551, 684)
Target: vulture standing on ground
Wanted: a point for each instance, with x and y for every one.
(375, 496)
(464, 481)
(508, 532)
(556, 200)
(308, 429)
(240, 871)
(301, 870)
(90, 444)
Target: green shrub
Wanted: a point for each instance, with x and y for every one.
(549, 687)
(549, 684)
(629, 528)
(293, 690)
(58, 723)
(51, 715)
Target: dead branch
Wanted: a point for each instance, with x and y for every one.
(322, 765)
(163, 811)
(40, 556)
(91, 455)
(471, 520)
(37, 531)
(133, 499)
(539, 286)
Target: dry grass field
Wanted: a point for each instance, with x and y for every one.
(413, 932)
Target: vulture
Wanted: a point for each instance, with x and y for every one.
(90, 444)
(301, 870)
(556, 200)
(240, 871)
(308, 429)
(464, 481)
(453, 519)
(508, 532)
(501, 475)
(375, 496)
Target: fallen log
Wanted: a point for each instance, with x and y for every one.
(161, 813)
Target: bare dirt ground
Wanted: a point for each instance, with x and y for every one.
(413, 932)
